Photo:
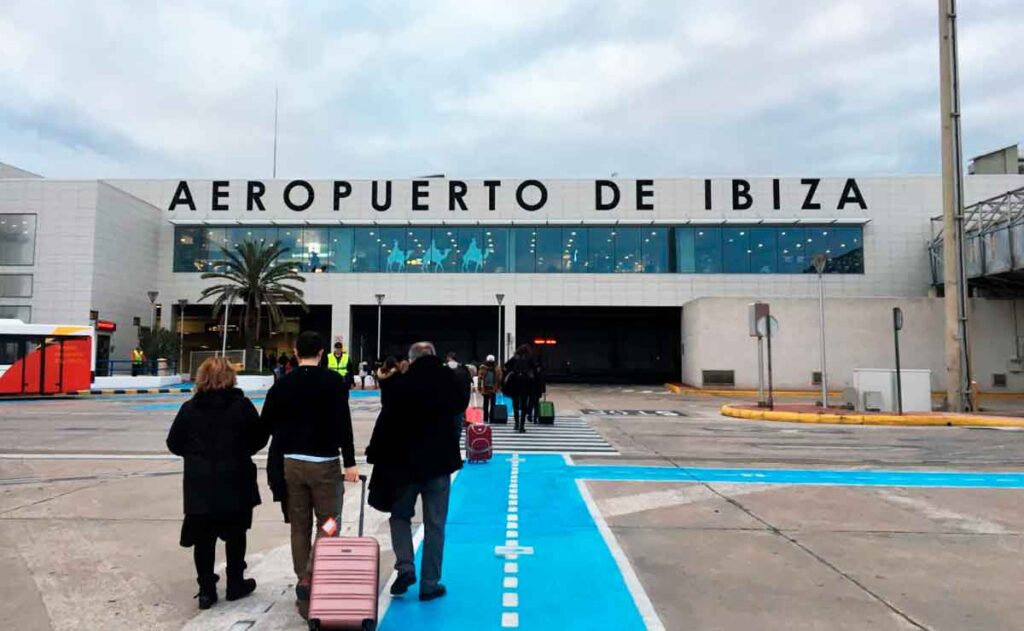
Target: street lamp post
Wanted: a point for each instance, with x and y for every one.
(182, 303)
(152, 303)
(380, 301)
(820, 261)
(227, 309)
(500, 297)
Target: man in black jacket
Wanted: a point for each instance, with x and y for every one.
(308, 416)
(422, 449)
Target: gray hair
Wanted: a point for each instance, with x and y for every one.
(421, 349)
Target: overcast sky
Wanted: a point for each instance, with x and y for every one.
(471, 88)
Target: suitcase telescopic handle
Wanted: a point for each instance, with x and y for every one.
(362, 502)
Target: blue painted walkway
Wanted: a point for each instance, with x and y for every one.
(571, 580)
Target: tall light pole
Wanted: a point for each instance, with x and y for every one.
(182, 303)
(227, 309)
(500, 297)
(380, 301)
(820, 261)
(958, 363)
(152, 304)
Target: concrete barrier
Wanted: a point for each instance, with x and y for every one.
(135, 383)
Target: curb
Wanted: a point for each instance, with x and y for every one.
(910, 420)
(743, 392)
(86, 393)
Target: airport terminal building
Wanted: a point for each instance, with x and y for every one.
(625, 280)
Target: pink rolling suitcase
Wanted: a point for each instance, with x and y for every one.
(343, 592)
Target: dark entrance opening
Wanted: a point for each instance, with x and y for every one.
(604, 344)
(472, 332)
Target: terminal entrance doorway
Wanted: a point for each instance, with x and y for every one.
(472, 332)
(604, 344)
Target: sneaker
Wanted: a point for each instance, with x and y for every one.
(302, 589)
(241, 589)
(402, 584)
(434, 594)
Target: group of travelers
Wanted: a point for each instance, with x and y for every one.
(306, 419)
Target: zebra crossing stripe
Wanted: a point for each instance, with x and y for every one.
(569, 434)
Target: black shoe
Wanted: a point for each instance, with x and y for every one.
(302, 589)
(240, 589)
(434, 594)
(402, 584)
(207, 592)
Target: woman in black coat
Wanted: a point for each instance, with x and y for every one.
(217, 432)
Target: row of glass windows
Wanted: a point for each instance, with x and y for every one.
(547, 249)
(17, 239)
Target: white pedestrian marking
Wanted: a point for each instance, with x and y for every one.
(510, 582)
(510, 599)
(510, 620)
(569, 434)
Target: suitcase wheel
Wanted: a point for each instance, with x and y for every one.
(314, 624)
(369, 625)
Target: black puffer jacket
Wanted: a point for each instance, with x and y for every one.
(217, 433)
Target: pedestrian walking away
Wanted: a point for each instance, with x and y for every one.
(489, 383)
(307, 414)
(415, 451)
(216, 432)
(519, 385)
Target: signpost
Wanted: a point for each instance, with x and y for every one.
(897, 326)
(762, 325)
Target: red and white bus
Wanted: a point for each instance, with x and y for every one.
(45, 358)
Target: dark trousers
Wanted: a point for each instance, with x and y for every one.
(521, 408)
(489, 400)
(313, 488)
(204, 554)
(435, 513)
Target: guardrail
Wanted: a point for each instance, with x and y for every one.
(149, 367)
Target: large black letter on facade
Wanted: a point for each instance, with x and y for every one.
(707, 194)
(741, 199)
(254, 195)
(288, 195)
(182, 195)
(599, 186)
(812, 188)
(540, 202)
(419, 191)
(387, 196)
(219, 192)
(456, 193)
(776, 195)
(492, 187)
(643, 191)
(851, 195)
(342, 189)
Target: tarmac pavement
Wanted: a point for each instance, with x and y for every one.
(91, 542)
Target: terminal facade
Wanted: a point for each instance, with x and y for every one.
(618, 280)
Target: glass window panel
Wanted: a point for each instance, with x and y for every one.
(793, 250)
(316, 244)
(575, 242)
(549, 250)
(654, 250)
(707, 250)
(627, 249)
(685, 251)
(762, 246)
(16, 312)
(735, 251)
(417, 243)
(845, 251)
(524, 248)
(15, 285)
(190, 249)
(472, 250)
(17, 239)
(366, 250)
(391, 249)
(601, 250)
(447, 253)
(341, 249)
(292, 243)
(496, 242)
(217, 241)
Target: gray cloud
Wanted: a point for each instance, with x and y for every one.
(551, 88)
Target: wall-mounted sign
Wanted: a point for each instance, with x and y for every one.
(544, 341)
(106, 326)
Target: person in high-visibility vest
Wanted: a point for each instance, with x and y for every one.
(340, 362)
(138, 359)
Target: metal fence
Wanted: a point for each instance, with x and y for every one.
(147, 368)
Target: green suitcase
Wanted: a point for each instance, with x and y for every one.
(546, 412)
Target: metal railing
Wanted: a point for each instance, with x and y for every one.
(148, 368)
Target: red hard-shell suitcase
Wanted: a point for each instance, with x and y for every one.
(474, 415)
(479, 443)
(343, 592)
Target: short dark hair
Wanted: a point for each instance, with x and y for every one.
(308, 344)
(338, 345)
(450, 355)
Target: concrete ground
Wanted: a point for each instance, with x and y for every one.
(90, 514)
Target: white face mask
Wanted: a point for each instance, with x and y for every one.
(453, 364)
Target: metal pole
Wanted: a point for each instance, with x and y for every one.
(760, 371)
(378, 330)
(181, 331)
(899, 380)
(821, 321)
(224, 344)
(499, 336)
(768, 330)
(958, 369)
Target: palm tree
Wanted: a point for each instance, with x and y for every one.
(254, 277)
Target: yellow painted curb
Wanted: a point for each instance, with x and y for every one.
(956, 420)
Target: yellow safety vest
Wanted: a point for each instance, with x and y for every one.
(339, 366)
(136, 357)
